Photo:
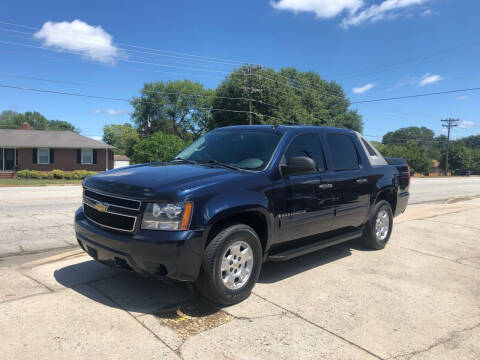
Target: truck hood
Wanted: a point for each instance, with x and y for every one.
(164, 181)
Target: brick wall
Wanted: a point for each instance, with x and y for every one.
(64, 159)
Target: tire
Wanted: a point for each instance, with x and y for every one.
(375, 235)
(225, 287)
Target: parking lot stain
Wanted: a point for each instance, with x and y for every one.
(193, 318)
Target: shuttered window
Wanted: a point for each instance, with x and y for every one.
(43, 156)
(87, 156)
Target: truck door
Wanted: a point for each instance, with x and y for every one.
(307, 207)
(349, 181)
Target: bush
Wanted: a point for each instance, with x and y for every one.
(82, 174)
(35, 174)
(56, 174)
(25, 174)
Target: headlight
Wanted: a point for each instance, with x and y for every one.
(167, 216)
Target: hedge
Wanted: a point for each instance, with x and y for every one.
(55, 174)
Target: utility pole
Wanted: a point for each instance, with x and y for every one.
(250, 95)
(449, 123)
(250, 89)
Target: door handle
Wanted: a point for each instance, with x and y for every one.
(325, 186)
(362, 181)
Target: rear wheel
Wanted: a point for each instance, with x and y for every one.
(379, 226)
(231, 265)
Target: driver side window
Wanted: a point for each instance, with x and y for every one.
(307, 145)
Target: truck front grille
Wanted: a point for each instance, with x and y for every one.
(111, 212)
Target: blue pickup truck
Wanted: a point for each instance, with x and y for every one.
(240, 196)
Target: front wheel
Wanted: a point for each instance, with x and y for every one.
(379, 226)
(231, 265)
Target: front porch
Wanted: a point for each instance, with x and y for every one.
(8, 161)
(7, 174)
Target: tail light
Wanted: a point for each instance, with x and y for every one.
(408, 172)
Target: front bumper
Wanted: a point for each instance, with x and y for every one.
(175, 255)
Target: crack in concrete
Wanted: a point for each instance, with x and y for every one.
(176, 351)
(321, 327)
(437, 215)
(449, 223)
(439, 342)
(438, 256)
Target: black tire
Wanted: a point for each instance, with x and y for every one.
(210, 283)
(370, 238)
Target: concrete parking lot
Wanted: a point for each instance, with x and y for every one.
(417, 299)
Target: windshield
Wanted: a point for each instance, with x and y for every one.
(244, 149)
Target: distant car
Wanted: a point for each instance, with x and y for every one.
(240, 196)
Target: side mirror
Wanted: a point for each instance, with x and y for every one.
(299, 165)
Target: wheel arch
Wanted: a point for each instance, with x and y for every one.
(388, 194)
(258, 218)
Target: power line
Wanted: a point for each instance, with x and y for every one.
(178, 57)
(141, 47)
(142, 90)
(105, 97)
(415, 96)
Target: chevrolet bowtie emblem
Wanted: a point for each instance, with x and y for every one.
(101, 207)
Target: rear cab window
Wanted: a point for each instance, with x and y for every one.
(343, 152)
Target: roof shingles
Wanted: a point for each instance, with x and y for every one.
(48, 139)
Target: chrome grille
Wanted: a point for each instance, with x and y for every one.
(111, 212)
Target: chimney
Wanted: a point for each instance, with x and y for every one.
(25, 126)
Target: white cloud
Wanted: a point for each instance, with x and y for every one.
(356, 12)
(463, 97)
(90, 41)
(321, 8)
(427, 12)
(109, 112)
(363, 89)
(98, 138)
(428, 79)
(388, 9)
(465, 124)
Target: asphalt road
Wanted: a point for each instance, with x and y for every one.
(435, 189)
(34, 219)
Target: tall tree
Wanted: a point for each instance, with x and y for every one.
(284, 97)
(123, 137)
(14, 120)
(158, 147)
(421, 135)
(181, 108)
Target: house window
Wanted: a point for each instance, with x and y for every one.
(43, 156)
(87, 156)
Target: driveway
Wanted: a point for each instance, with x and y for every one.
(417, 299)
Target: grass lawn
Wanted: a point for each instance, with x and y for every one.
(38, 182)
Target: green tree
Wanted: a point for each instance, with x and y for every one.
(472, 141)
(181, 108)
(14, 120)
(123, 137)
(158, 147)
(284, 97)
(421, 135)
(414, 154)
(461, 157)
(60, 125)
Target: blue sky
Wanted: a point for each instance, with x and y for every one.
(373, 49)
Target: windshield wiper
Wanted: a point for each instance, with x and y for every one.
(218, 163)
(183, 160)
